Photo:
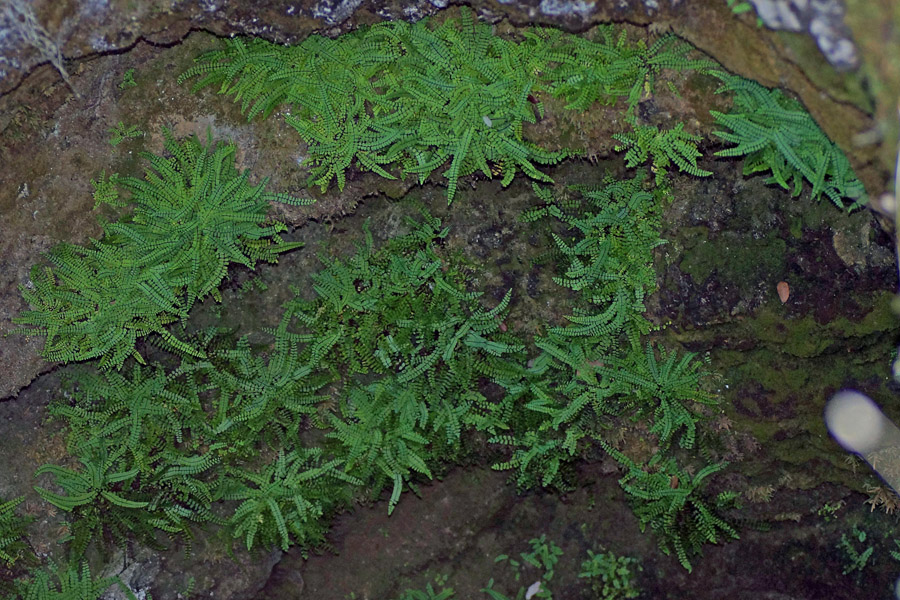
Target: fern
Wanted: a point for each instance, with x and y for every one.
(194, 214)
(535, 459)
(145, 413)
(607, 68)
(664, 389)
(67, 583)
(663, 148)
(470, 93)
(380, 437)
(148, 465)
(264, 400)
(595, 368)
(120, 133)
(12, 529)
(103, 498)
(393, 94)
(427, 594)
(286, 502)
(775, 134)
(409, 345)
(669, 499)
(610, 258)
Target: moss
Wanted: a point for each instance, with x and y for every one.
(879, 320)
(774, 375)
(845, 86)
(796, 228)
(803, 337)
(734, 258)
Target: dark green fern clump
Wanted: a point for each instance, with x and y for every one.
(386, 362)
(285, 503)
(596, 369)
(776, 134)
(608, 255)
(410, 345)
(162, 450)
(67, 582)
(672, 502)
(595, 373)
(194, 214)
(606, 67)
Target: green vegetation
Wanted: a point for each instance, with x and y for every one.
(854, 559)
(427, 594)
(120, 133)
(392, 358)
(543, 557)
(163, 448)
(12, 528)
(418, 96)
(669, 499)
(605, 67)
(596, 369)
(663, 148)
(393, 93)
(68, 583)
(776, 134)
(194, 214)
(127, 80)
(401, 315)
(610, 575)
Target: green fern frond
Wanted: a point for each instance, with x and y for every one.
(12, 529)
(775, 134)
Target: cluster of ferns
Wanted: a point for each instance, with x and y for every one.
(395, 359)
(403, 99)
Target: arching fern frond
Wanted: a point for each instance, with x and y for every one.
(774, 133)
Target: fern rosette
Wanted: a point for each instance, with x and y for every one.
(194, 214)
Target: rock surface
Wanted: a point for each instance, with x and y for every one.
(731, 241)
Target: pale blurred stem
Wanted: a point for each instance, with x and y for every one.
(897, 202)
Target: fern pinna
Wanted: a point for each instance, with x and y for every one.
(774, 133)
(194, 214)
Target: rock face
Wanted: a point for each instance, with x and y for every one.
(824, 21)
(732, 242)
(69, 34)
(60, 32)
